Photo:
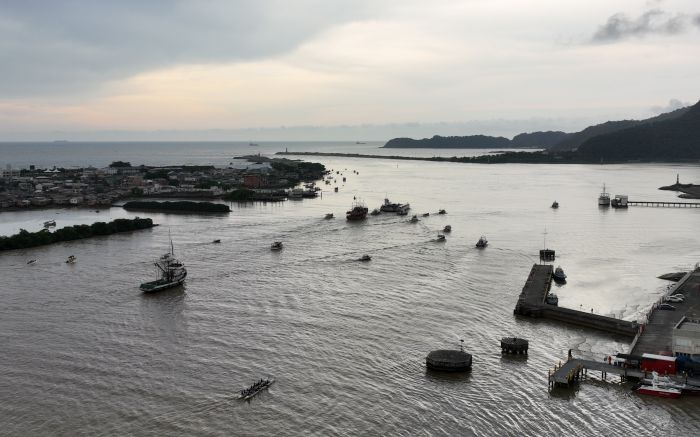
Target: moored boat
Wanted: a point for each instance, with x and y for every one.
(620, 201)
(661, 387)
(447, 228)
(483, 242)
(49, 223)
(559, 274)
(375, 211)
(388, 206)
(171, 271)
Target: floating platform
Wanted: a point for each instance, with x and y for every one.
(514, 345)
(448, 360)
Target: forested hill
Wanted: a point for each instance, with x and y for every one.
(438, 142)
(674, 139)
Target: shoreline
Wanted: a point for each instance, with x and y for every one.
(690, 191)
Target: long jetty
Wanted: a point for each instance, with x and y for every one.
(531, 303)
(652, 203)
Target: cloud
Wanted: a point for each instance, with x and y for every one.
(654, 21)
(61, 47)
(672, 105)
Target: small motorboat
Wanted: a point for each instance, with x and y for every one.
(329, 216)
(662, 387)
(254, 389)
(71, 260)
(440, 238)
(335, 189)
(414, 219)
(483, 242)
(447, 228)
(277, 245)
(552, 299)
(31, 261)
(427, 214)
(375, 211)
(216, 241)
(559, 274)
(555, 205)
(442, 211)
(365, 258)
(49, 223)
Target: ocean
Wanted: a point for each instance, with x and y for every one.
(84, 352)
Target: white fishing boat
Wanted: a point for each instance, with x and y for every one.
(663, 388)
(170, 270)
(604, 198)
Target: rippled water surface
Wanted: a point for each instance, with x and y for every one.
(85, 353)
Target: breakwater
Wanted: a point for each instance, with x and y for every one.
(25, 239)
(181, 206)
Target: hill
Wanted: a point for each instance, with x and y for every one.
(574, 140)
(538, 139)
(659, 139)
(438, 142)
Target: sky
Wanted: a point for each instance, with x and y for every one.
(338, 69)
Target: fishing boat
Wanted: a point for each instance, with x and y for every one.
(365, 258)
(663, 388)
(604, 198)
(49, 223)
(375, 211)
(71, 260)
(440, 238)
(555, 204)
(254, 389)
(357, 212)
(414, 219)
(447, 228)
(483, 242)
(442, 211)
(277, 245)
(329, 216)
(170, 270)
(388, 206)
(559, 274)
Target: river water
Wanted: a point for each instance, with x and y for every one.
(85, 353)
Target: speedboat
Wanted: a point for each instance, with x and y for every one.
(414, 219)
(329, 216)
(442, 211)
(365, 258)
(277, 245)
(555, 204)
(447, 228)
(335, 189)
(559, 274)
(71, 260)
(440, 238)
(483, 242)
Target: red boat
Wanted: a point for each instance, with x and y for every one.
(661, 386)
(358, 212)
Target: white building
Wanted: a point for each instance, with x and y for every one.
(685, 339)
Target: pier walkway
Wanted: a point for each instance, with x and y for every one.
(664, 204)
(531, 303)
(656, 332)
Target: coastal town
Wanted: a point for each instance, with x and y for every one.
(258, 177)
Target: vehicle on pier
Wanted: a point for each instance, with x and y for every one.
(483, 242)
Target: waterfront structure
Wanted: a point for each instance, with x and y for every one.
(685, 338)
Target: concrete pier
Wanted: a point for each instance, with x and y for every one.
(531, 302)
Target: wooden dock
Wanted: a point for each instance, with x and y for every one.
(663, 204)
(531, 303)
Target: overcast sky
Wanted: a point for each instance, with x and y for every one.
(99, 68)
